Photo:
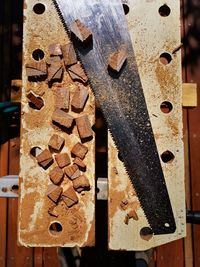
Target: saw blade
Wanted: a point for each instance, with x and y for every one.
(122, 101)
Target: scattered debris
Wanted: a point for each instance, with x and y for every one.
(62, 118)
(62, 160)
(55, 71)
(54, 192)
(81, 183)
(37, 102)
(72, 171)
(56, 175)
(124, 204)
(80, 163)
(52, 210)
(45, 158)
(77, 73)
(69, 197)
(36, 69)
(62, 98)
(55, 50)
(79, 98)
(117, 59)
(81, 31)
(131, 215)
(79, 150)
(69, 54)
(56, 142)
(84, 127)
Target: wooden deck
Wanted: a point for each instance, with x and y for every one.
(182, 253)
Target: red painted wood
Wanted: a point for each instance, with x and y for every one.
(50, 257)
(38, 257)
(16, 256)
(3, 204)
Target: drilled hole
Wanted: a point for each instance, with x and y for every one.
(15, 188)
(146, 233)
(39, 8)
(165, 58)
(55, 228)
(4, 189)
(38, 54)
(166, 107)
(126, 9)
(164, 10)
(167, 156)
(35, 151)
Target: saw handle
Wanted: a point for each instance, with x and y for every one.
(193, 217)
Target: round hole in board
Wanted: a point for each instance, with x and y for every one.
(166, 107)
(4, 189)
(38, 54)
(35, 151)
(126, 8)
(146, 233)
(167, 156)
(165, 58)
(164, 10)
(15, 188)
(39, 8)
(55, 228)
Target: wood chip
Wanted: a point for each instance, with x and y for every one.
(56, 142)
(45, 158)
(80, 30)
(84, 127)
(117, 59)
(81, 183)
(80, 163)
(79, 98)
(62, 98)
(55, 72)
(79, 150)
(54, 192)
(62, 118)
(69, 54)
(77, 73)
(52, 210)
(62, 160)
(56, 175)
(131, 215)
(53, 59)
(124, 204)
(69, 197)
(37, 102)
(36, 69)
(55, 50)
(72, 171)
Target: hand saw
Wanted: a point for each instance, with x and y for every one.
(122, 101)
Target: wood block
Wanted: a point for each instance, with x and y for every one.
(55, 71)
(56, 142)
(52, 210)
(189, 95)
(79, 150)
(81, 183)
(117, 59)
(79, 163)
(72, 171)
(45, 158)
(55, 50)
(79, 98)
(54, 192)
(69, 54)
(52, 60)
(62, 98)
(69, 197)
(77, 73)
(62, 159)
(84, 127)
(62, 118)
(81, 31)
(37, 102)
(36, 69)
(56, 175)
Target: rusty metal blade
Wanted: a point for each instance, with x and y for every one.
(123, 104)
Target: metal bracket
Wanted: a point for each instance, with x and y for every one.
(9, 186)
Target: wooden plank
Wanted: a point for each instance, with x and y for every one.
(3, 204)
(16, 255)
(160, 35)
(170, 255)
(50, 257)
(77, 222)
(38, 257)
